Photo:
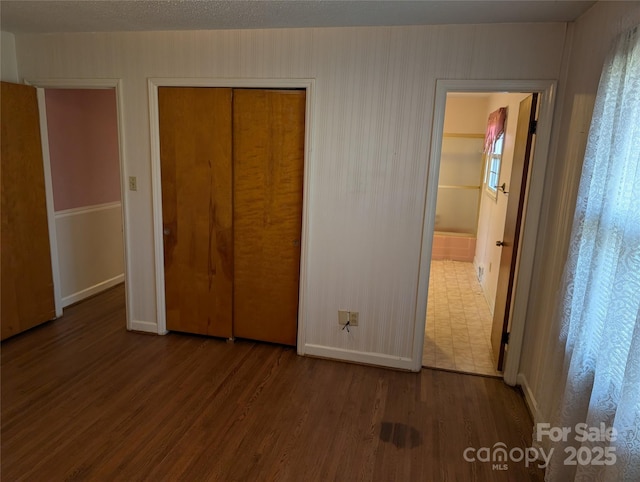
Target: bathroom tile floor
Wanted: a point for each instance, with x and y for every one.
(458, 329)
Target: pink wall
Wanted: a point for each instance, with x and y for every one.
(83, 144)
(450, 246)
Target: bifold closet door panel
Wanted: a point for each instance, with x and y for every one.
(27, 279)
(268, 151)
(195, 156)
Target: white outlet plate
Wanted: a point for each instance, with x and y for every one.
(133, 183)
(343, 316)
(350, 316)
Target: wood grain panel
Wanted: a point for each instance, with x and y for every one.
(77, 406)
(268, 152)
(27, 281)
(195, 152)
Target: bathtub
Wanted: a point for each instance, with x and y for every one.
(454, 246)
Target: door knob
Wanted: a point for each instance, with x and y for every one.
(499, 243)
(166, 231)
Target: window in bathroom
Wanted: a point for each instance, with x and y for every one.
(494, 159)
(493, 146)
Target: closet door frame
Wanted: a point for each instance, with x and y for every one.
(156, 179)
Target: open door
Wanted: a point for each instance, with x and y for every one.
(27, 279)
(509, 242)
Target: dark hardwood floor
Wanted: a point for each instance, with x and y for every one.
(83, 399)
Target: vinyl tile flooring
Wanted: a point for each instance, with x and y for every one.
(458, 328)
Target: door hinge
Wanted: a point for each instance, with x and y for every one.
(505, 337)
(533, 127)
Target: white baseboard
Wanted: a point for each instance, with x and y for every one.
(529, 398)
(144, 326)
(367, 358)
(92, 290)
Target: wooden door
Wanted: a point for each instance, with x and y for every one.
(268, 153)
(509, 243)
(195, 157)
(27, 280)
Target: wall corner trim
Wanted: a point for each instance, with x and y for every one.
(529, 398)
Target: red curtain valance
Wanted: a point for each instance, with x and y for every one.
(495, 127)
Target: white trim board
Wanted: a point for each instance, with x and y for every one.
(48, 188)
(143, 326)
(156, 181)
(366, 358)
(547, 89)
(92, 290)
(116, 84)
(529, 398)
(64, 213)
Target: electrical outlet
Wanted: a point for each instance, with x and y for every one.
(133, 183)
(345, 316)
(353, 318)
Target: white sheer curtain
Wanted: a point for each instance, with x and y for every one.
(600, 308)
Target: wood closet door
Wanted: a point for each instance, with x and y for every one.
(27, 281)
(268, 153)
(195, 156)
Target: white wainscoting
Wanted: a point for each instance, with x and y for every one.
(90, 250)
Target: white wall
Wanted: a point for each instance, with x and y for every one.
(465, 114)
(493, 212)
(89, 250)
(82, 135)
(9, 63)
(371, 127)
(592, 37)
(460, 165)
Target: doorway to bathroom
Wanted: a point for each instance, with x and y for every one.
(470, 268)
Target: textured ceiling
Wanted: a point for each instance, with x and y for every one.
(28, 16)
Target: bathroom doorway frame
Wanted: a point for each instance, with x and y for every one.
(531, 216)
